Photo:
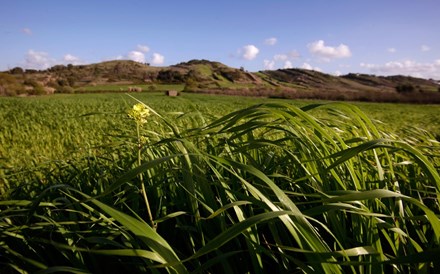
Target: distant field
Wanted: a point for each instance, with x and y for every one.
(38, 129)
(124, 88)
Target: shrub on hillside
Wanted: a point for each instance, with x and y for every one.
(405, 88)
(194, 75)
(63, 82)
(9, 85)
(231, 75)
(152, 88)
(16, 70)
(190, 85)
(64, 89)
(170, 77)
(35, 87)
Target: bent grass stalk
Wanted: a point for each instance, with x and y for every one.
(269, 188)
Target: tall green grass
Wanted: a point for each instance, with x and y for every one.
(39, 130)
(271, 188)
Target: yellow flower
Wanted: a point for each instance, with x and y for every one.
(139, 113)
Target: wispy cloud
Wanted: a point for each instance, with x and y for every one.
(406, 67)
(271, 41)
(293, 54)
(143, 48)
(26, 31)
(42, 60)
(71, 59)
(310, 67)
(280, 57)
(38, 60)
(284, 60)
(391, 50)
(425, 48)
(326, 53)
(269, 64)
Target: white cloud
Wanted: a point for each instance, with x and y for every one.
(310, 67)
(143, 48)
(406, 67)
(70, 59)
(27, 31)
(425, 48)
(269, 64)
(280, 57)
(391, 50)
(327, 53)
(42, 60)
(158, 59)
(288, 65)
(249, 52)
(136, 56)
(271, 41)
(38, 60)
(283, 60)
(307, 66)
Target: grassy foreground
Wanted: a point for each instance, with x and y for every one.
(270, 188)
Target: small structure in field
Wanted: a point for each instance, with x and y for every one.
(172, 93)
(134, 89)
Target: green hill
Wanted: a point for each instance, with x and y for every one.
(205, 76)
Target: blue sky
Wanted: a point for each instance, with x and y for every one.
(382, 37)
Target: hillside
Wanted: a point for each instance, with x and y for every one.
(214, 77)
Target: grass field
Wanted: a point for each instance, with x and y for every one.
(217, 184)
(125, 88)
(64, 124)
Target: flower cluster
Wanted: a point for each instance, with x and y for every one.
(139, 113)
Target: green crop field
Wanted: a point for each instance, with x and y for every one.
(125, 87)
(99, 183)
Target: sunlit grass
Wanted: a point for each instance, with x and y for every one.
(270, 188)
(61, 125)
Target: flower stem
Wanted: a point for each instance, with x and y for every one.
(141, 178)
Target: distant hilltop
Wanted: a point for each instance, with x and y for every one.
(204, 76)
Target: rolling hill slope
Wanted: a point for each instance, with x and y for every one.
(214, 77)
